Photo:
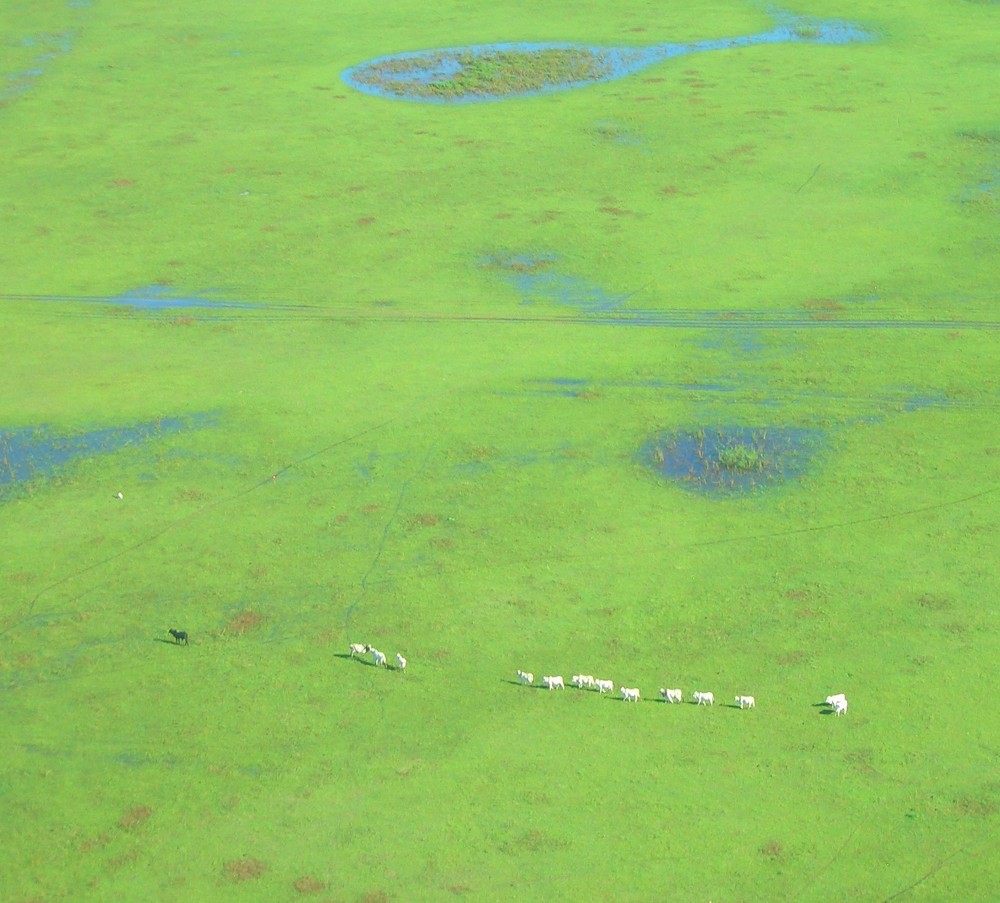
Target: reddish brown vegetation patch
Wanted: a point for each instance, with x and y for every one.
(94, 843)
(309, 885)
(933, 602)
(861, 761)
(245, 621)
(123, 183)
(975, 806)
(772, 849)
(794, 657)
(248, 869)
(532, 841)
(823, 304)
(366, 220)
(374, 896)
(134, 817)
(426, 520)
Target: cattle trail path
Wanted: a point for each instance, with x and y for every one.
(380, 548)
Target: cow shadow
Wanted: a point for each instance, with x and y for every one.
(728, 705)
(158, 639)
(517, 683)
(361, 660)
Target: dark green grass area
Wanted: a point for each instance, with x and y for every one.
(430, 434)
(490, 73)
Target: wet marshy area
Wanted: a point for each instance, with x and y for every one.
(731, 459)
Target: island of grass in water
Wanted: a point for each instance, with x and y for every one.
(487, 72)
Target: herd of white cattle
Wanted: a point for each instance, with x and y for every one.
(378, 658)
(837, 702)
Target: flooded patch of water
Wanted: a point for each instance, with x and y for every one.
(159, 297)
(732, 459)
(30, 452)
(538, 280)
(43, 49)
(488, 72)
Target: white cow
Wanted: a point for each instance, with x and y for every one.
(400, 662)
(378, 658)
(553, 683)
(746, 702)
(584, 680)
(840, 707)
(605, 686)
(833, 700)
(360, 649)
(526, 677)
(704, 698)
(630, 694)
(671, 695)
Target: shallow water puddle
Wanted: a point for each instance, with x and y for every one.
(538, 280)
(46, 47)
(732, 459)
(30, 452)
(486, 72)
(158, 297)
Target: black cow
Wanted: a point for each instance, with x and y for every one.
(180, 636)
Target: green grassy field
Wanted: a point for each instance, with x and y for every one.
(425, 431)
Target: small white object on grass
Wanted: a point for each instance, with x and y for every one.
(119, 496)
